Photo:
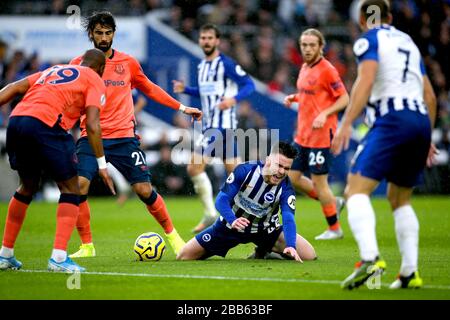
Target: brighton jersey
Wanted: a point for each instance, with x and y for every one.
(398, 85)
(257, 201)
(217, 79)
(60, 94)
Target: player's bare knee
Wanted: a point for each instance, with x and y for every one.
(143, 190)
(84, 184)
(27, 190)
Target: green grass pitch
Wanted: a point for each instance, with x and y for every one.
(114, 273)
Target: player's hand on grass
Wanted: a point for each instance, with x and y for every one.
(288, 100)
(226, 103)
(107, 180)
(432, 153)
(319, 121)
(240, 223)
(178, 86)
(341, 140)
(292, 253)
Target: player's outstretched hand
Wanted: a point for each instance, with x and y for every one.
(103, 173)
(240, 223)
(226, 103)
(195, 113)
(178, 86)
(288, 100)
(432, 153)
(342, 139)
(292, 253)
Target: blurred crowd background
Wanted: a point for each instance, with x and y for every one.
(262, 36)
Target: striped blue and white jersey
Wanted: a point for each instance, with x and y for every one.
(398, 84)
(218, 78)
(259, 202)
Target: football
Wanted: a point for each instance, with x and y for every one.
(149, 246)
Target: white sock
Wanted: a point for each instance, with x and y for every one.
(203, 187)
(6, 252)
(361, 218)
(407, 231)
(59, 255)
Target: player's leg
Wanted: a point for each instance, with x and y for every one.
(191, 251)
(304, 249)
(361, 218)
(157, 208)
(203, 187)
(405, 174)
(217, 239)
(303, 184)
(60, 164)
(318, 162)
(17, 209)
(66, 219)
(329, 209)
(87, 169)
(407, 233)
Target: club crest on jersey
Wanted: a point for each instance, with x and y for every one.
(119, 69)
(291, 202)
(206, 237)
(230, 178)
(269, 197)
(360, 46)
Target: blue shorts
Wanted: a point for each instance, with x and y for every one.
(397, 154)
(123, 153)
(217, 240)
(217, 143)
(313, 160)
(35, 148)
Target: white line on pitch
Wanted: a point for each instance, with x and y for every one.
(187, 276)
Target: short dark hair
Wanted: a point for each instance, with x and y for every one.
(383, 5)
(210, 26)
(104, 18)
(284, 148)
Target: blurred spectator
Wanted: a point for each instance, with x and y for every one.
(168, 178)
(57, 7)
(250, 119)
(3, 66)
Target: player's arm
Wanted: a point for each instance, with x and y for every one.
(290, 99)
(287, 206)
(156, 93)
(245, 84)
(227, 193)
(180, 87)
(94, 101)
(359, 96)
(336, 88)
(430, 101)
(19, 87)
(94, 133)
